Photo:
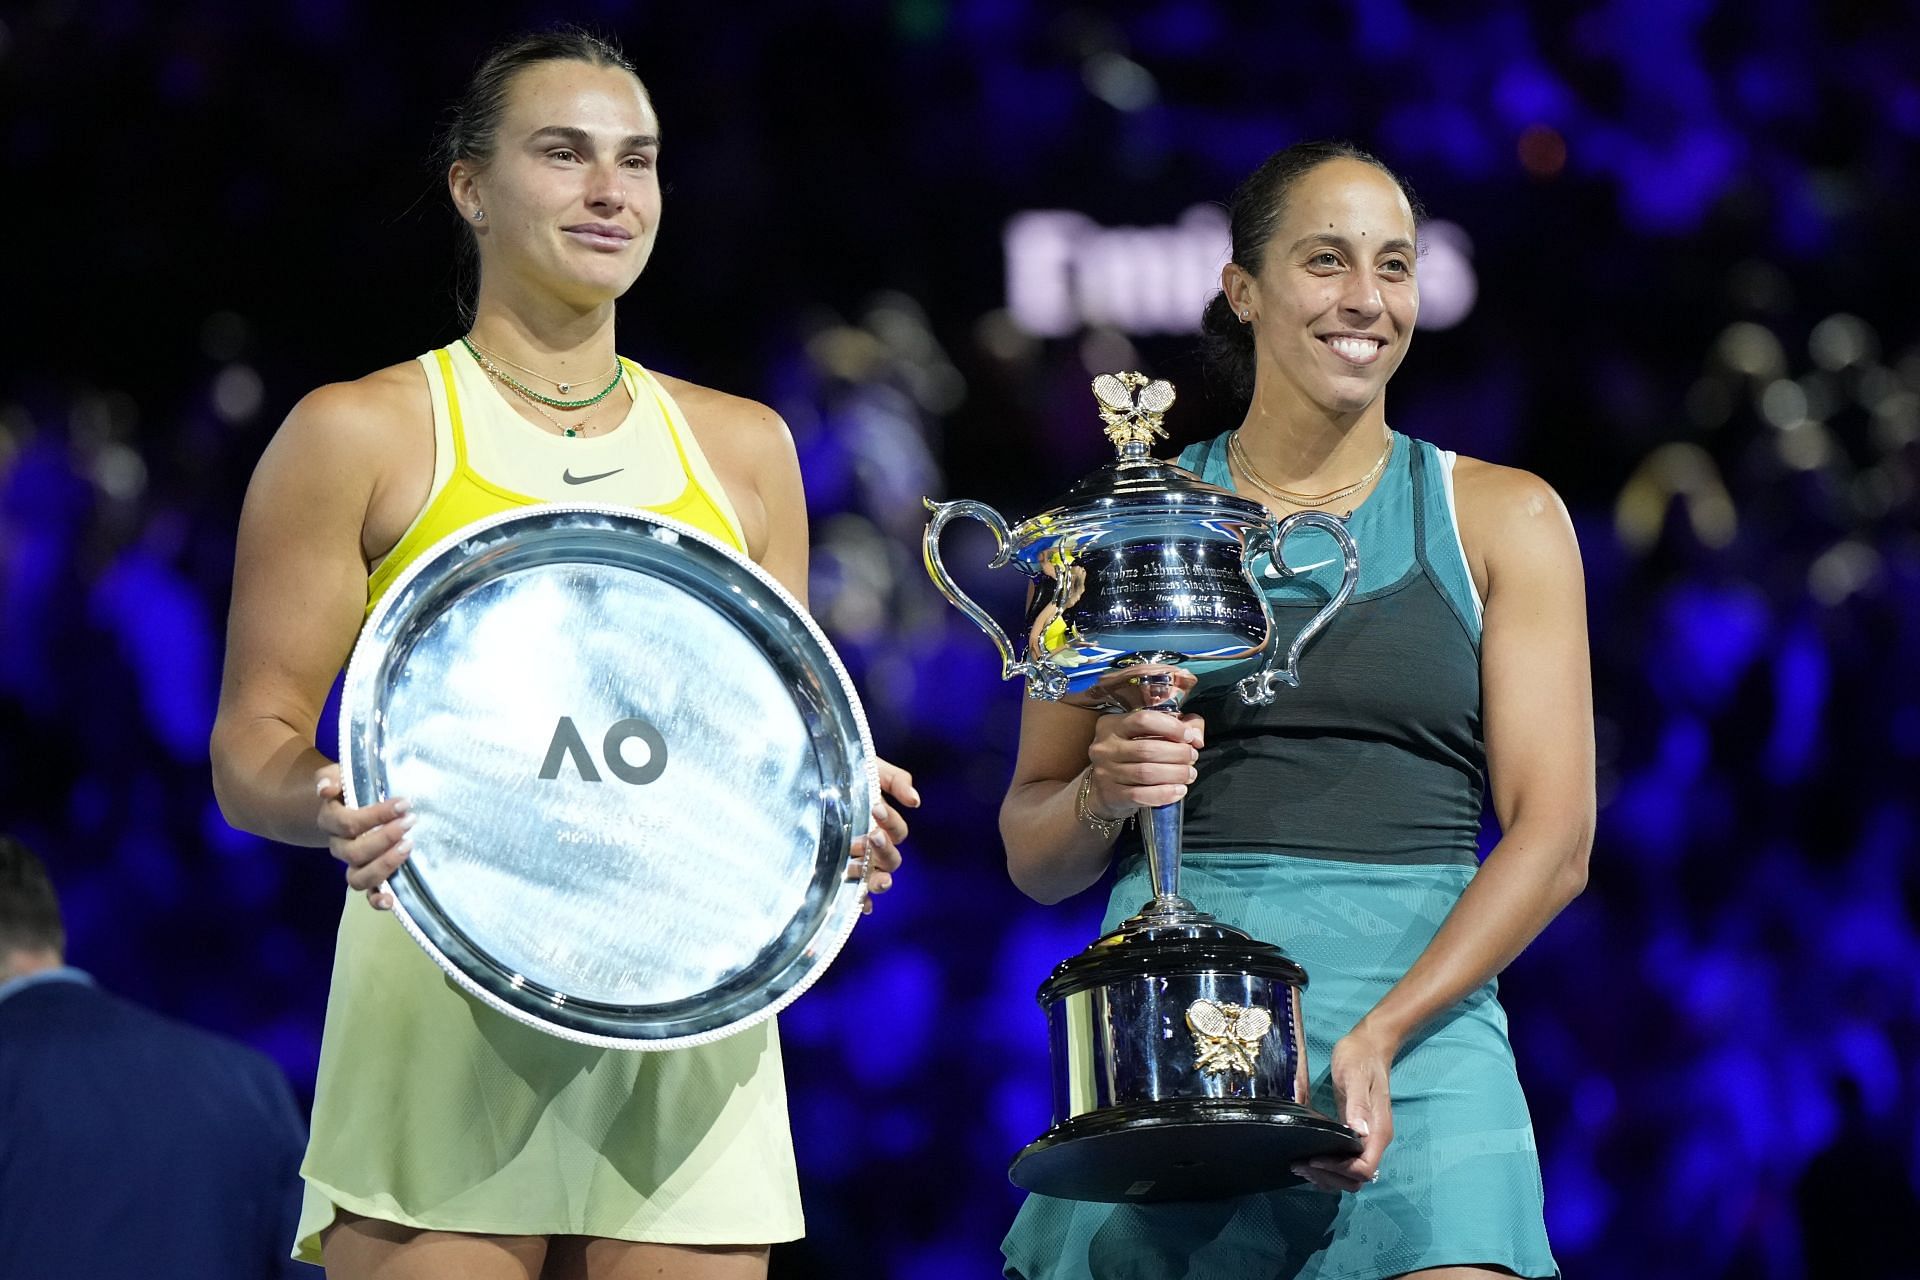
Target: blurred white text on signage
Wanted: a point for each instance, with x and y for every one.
(1066, 272)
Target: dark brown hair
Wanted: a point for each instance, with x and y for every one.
(1253, 215)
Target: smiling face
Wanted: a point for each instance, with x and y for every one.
(1334, 303)
(571, 193)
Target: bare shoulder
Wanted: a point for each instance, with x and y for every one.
(1503, 493)
(368, 414)
(358, 452)
(731, 425)
(753, 456)
(1509, 516)
(1504, 500)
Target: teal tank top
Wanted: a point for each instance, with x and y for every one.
(1378, 756)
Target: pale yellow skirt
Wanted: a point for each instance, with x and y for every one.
(432, 1110)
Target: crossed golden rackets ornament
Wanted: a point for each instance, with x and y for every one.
(1227, 1036)
(1132, 406)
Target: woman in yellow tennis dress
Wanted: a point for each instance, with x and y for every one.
(447, 1138)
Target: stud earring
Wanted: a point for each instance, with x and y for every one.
(479, 215)
(1245, 316)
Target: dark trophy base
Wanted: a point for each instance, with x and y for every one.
(1179, 1067)
(1190, 1149)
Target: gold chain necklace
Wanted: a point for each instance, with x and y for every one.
(564, 387)
(1238, 452)
(570, 432)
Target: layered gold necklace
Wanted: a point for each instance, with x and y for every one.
(491, 361)
(1237, 451)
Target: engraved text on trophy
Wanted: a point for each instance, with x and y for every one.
(1190, 599)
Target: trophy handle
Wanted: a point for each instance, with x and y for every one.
(1044, 681)
(1258, 689)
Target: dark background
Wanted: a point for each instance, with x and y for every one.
(1692, 229)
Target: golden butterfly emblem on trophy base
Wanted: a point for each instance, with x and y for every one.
(1227, 1036)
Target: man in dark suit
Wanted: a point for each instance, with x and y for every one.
(131, 1145)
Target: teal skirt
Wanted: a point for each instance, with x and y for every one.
(1458, 1186)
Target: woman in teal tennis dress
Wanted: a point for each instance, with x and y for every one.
(1341, 822)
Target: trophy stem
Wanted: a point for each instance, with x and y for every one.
(1160, 825)
(1160, 833)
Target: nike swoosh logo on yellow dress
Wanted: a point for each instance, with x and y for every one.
(571, 478)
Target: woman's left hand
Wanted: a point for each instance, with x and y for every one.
(1362, 1063)
(880, 847)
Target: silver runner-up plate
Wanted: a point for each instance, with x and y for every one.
(638, 769)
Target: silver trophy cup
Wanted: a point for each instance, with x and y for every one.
(1179, 1054)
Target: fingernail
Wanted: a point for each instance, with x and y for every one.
(1299, 1171)
(403, 806)
(405, 847)
(1193, 775)
(320, 785)
(406, 823)
(1359, 1126)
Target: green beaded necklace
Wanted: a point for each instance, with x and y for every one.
(530, 393)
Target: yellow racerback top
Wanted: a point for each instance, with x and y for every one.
(433, 1111)
(489, 459)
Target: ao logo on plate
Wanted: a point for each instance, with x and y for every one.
(567, 744)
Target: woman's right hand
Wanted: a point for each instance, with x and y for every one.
(372, 841)
(1142, 759)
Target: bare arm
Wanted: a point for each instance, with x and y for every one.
(299, 589)
(1537, 705)
(1051, 854)
(784, 547)
(1142, 758)
(752, 454)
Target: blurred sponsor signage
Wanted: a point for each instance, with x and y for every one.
(1066, 272)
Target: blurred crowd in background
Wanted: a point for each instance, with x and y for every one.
(1687, 230)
